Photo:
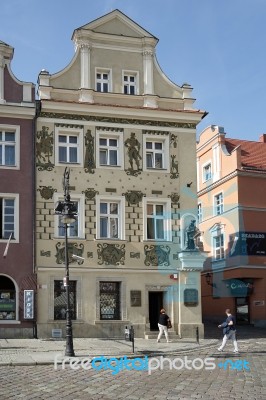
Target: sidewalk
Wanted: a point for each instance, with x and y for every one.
(40, 352)
(43, 351)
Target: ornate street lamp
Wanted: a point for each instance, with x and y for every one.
(68, 212)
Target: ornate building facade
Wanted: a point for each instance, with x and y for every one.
(128, 136)
(17, 276)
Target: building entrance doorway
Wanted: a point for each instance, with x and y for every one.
(242, 310)
(155, 304)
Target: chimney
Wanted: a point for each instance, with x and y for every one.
(263, 138)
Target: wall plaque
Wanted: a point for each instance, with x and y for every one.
(191, 297)
(135, 298)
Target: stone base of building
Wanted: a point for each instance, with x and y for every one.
(16, 333)
(100, 329)
(190, 330)
(261, 323)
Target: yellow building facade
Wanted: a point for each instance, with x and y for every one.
(128, 136)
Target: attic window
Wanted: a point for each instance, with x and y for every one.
(103, 82)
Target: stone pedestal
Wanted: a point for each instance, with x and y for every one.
(189, 292)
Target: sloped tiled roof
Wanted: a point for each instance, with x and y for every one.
(253, 154)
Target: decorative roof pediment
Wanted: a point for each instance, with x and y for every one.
(116, 23)
(6, 51)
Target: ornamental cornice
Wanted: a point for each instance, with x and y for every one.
(114, 120)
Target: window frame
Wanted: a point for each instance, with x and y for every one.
(75, 303)
(121, 216)
(102, 71)
(165, 152)
(205, 177)
(16, 129)
(62, 131)
(218, 206)
(218, 249)
(15, 197)
(80, 199)
(167, 222)
(134, 74)
(118, 300)
(200, 213)
(118, 135)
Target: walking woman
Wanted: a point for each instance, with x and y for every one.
(163, 325)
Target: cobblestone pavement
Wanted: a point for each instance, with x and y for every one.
(245, 381)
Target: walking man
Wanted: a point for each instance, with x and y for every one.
(229, 331)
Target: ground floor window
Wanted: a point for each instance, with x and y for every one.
(110, 300)
(242, 310)
(60, 299)
(7, 299)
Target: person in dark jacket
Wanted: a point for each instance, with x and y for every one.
(229, 331)
(162, 324)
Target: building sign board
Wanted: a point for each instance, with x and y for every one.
(28, 304)
(248, 244)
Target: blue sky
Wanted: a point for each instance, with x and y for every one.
(218, 47)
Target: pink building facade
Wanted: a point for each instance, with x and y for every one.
(17, 277)
(232, 222)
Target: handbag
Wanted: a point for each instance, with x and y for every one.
(169, 324)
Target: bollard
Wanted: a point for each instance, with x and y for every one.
(132, 338)
(197, 334)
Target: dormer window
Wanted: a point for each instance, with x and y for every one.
(129, 83)
(207, 172)
(103, 81)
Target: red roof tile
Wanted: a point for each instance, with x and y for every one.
(253, 154)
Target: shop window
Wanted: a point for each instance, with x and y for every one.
(7, 299)
(60, 300)
(110, 301)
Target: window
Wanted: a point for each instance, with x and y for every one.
(218, 247)
(218, 204)
(156, 155)
(8, 309)
(68, 143)
(157, 220)
(9, 146)
(8, 216)
(60, 299)
(200, 212)
(207, 172)
(130, 83)
(103, 83)
(110, 220)
(110, 300)
(68, 150)
(75, 229)
(110, 149)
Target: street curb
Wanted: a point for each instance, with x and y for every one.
(137, 354)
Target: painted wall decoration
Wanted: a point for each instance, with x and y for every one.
(174, 168)
(46, 192)
(133, 197)
(89, 162)
(156, 255)
(73, 248)
(134, 157)
(111, 254)
(44, 149)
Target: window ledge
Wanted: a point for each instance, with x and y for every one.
(9, 321)
(111, 240)
(157, 241)
(114, 321)
(69, 238)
